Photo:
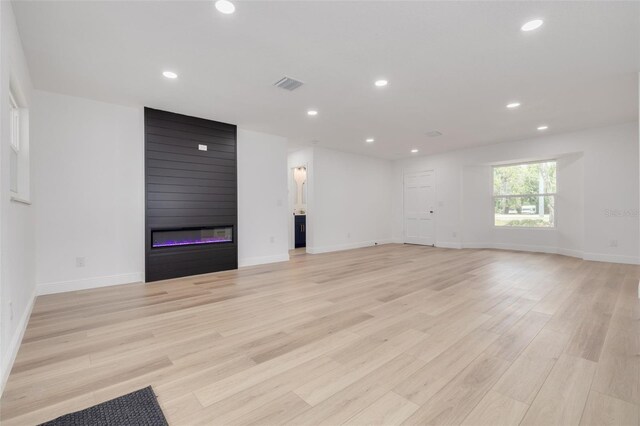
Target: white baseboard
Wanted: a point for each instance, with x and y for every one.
(351, 246)
(570, 253)
(448, 244)
(134, 277)
(611, 258)
(476, 245)
(522, 247)
(14, 344)
(261, 260)
(596, 257)
(88, 283)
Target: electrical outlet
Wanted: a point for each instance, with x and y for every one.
(613, 243)
(348, 234)
(80, 262)
(272, 239)
(454, 234)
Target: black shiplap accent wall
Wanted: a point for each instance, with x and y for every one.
(186, 187)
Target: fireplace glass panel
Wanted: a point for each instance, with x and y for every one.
(192, 236)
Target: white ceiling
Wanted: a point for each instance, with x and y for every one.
(451, 66)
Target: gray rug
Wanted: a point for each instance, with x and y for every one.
(139, 408)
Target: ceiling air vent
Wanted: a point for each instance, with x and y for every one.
(288, 83)
(434, 134)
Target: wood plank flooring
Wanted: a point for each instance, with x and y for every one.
(392, 334)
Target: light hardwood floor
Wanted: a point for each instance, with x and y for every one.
(391, 334)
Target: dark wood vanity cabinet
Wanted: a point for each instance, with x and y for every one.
(300, 230)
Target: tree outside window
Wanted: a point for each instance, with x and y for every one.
(524, 195)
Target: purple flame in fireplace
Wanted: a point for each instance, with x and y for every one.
(188, 237)
(211, 240)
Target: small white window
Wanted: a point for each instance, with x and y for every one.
(14, 128)
(19, 152)
(15, 123)
(524, 195)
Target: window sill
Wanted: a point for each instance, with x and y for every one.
(537, 228)
(16, 199)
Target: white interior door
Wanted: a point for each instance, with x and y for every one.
(419, 200)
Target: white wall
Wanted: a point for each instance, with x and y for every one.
(88, 175)
(262, 198)
(89, 180)
(350, 201)
(597, 174)
(477, 212)
(17, 240)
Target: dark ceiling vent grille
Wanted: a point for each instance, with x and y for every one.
(288, 83)
(434, 134)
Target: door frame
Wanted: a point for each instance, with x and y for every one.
(291, 239)
(406, 172)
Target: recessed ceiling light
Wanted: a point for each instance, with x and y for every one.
(369, 140)
(413, 151)
(312, 112)
(532, 25)
(381, 83)
(543, 127)
(513, 105)
(170, 74)
(225, 6)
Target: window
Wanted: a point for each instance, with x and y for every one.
(524, 195)
(14, 129)
(19, 152)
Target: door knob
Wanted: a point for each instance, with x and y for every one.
(430, 211)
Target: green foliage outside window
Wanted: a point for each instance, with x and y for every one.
(524, 194)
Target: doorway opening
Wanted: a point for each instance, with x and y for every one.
(298, 204)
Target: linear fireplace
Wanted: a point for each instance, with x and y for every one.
(191, 196)
(191, 236)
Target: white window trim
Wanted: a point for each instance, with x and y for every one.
(17, 199)
(546, 194)
(15, 124)
(19, 142)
